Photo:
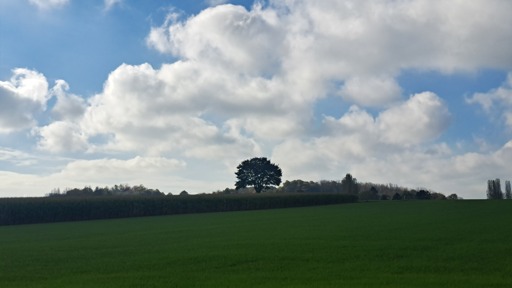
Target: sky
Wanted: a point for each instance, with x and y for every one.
(175, 94)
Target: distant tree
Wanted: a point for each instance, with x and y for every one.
(101, 191)
(453, 197)
(300, 186)
(349, 185)
(327, 186)
(54, 193)
(371, 194)
(184, 193)
(117, 190)
(494, 189)
(259, 173)
(423, 195)
(397, 196)
(437, 196)
(408, 195)
(384, 197)
(508, 190)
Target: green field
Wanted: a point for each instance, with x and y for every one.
(379, 244)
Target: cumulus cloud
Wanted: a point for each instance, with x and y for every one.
(150, 111)
(372, 91)
(48, 4)
(25, 95)
(363, 44)
(246, 82)
(68, 106)
(385, 36)
(497, 102)
(226, 35)
(64, 134)
(422, 118)
(358, 136)
(61, 136)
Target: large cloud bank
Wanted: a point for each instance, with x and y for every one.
(246, 83)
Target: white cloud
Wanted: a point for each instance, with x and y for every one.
(227, 35)
(422, 118)
(371, 91)
(21, 98)
(93, 170)
(385, 36)
(68, 106)
(61, 136)
(48, 4)
(16, 157)
(246, 83)
(150, 111)
(497, 102)
(312, 44)
(358, 137)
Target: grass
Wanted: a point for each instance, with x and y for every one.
(379, 244)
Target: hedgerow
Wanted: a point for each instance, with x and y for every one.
(15, 211)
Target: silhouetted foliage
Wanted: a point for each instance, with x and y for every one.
(259, 173)
(408, 195)
(300, 186)
(437, 196)
(453, 197)
(116, 190)
(494, 190)
(56, 209)
(423, 195)
(508, 190)
(368, 191)
(349, 185)
(369, 195)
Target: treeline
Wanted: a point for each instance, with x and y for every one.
(350, 186)
(494, 191)
(57, 209)
(116, 190)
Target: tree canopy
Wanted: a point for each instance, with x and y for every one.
(494, 189)
(259, 173)
(349, 185)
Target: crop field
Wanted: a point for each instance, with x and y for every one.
(376, 244)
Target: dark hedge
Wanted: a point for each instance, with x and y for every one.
(15, 211)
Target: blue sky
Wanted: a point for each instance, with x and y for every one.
(174, 94)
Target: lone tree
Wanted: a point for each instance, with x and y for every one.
(259, 173)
